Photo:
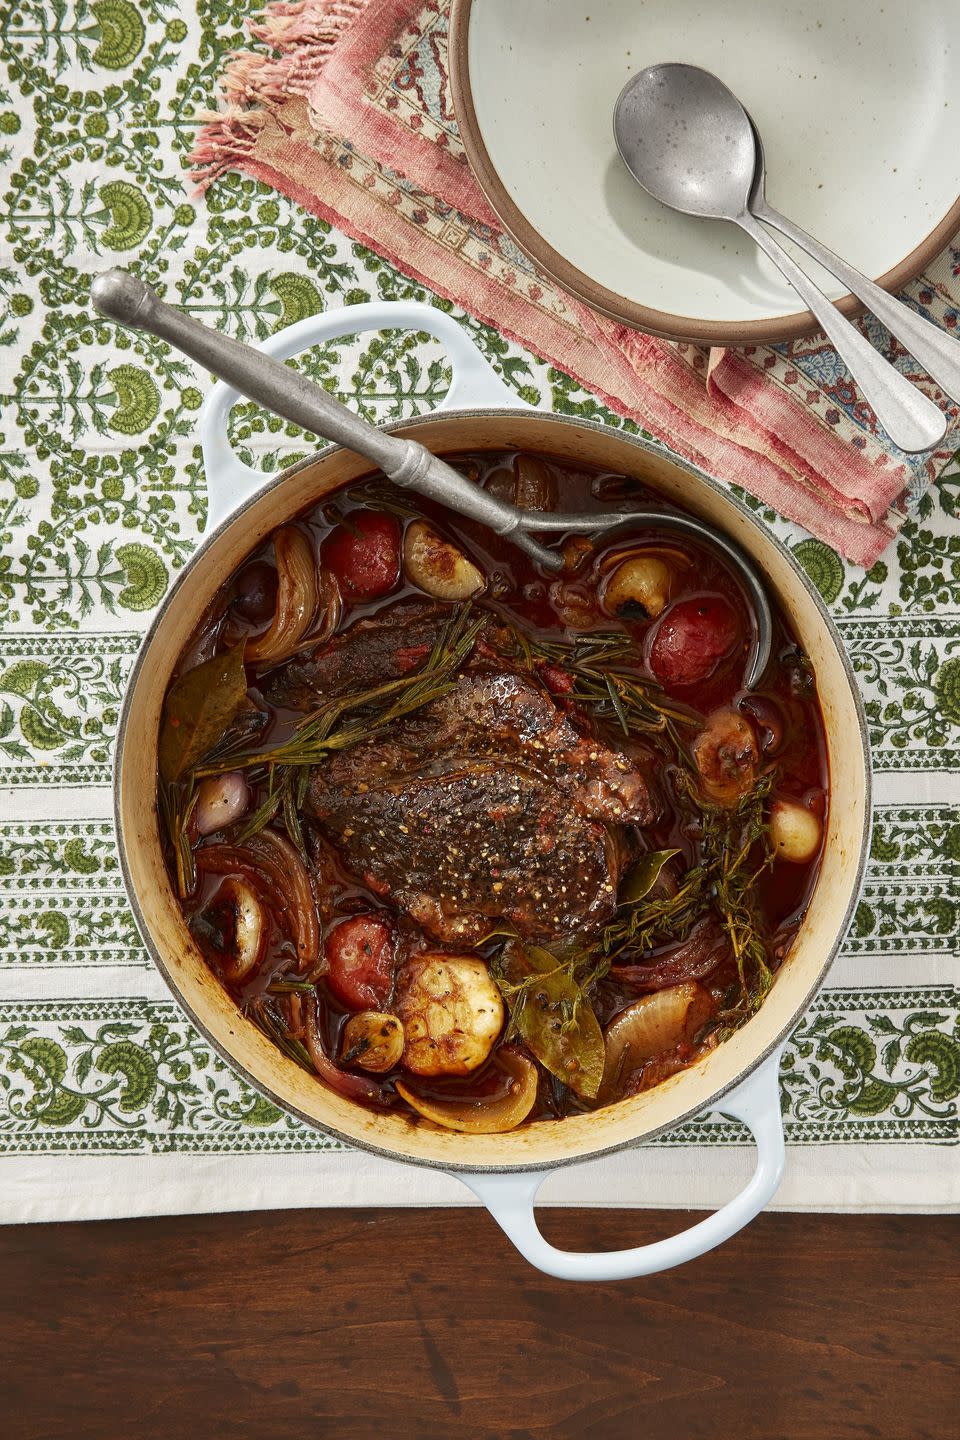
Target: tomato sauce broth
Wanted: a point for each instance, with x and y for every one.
(784, 712)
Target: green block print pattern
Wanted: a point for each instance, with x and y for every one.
(102, 500)
(129, 1076)
(62, 901)
(59, 698)
(59, 701)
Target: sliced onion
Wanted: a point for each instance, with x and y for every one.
(297, 597)
(221, 800)
(692, 960)
(293, 881)
(483, 1116)
(650, 1028)
(354, 1087)
(275, 867)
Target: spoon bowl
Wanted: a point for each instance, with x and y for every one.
(685, 137)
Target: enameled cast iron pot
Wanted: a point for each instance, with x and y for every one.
(505, 1171)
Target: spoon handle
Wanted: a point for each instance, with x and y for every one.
(936, 350)
(912, 421)
(122, 297)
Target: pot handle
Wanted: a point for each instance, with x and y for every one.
(474, 384)
(510, 1198)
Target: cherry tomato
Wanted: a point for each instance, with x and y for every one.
(361, 954)
(364, 554)
(692, 638)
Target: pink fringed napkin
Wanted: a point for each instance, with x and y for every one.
(351, 117)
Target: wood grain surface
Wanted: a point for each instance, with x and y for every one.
(388, 1324)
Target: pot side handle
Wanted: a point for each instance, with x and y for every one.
(510, 1198)
(473, 385)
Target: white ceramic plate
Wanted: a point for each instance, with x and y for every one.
(856, 102)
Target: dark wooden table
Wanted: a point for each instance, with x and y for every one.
(361, 1324)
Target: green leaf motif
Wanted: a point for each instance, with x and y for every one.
(138, 400)
(130, 215)
(262, 1112)
(121, 33)
(883, 849)
(38, 733)
(46, 1053)
(852, 1050)
(298, 296)
(823, 565)
(65, 1107)
(931, 1047)
(78, 859)
(21, 678)
(138, 1069)
(946, 687)
(875, 1097)
(55, 926)
(146, 577)
(864, 921)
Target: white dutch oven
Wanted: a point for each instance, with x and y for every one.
(504, 1171)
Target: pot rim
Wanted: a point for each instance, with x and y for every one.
(398, 1155)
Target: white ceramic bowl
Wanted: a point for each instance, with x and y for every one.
(856, 103)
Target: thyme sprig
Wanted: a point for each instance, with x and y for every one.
(350, 719)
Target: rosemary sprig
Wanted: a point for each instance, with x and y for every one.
(177, 804)
(269, 1019)
(365, 713)
(603, 669)
(291, 985)
(723, 880)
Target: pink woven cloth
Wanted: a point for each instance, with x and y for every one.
(344, 106)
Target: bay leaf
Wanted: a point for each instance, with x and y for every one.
(199, 707)
(553, 1016)
(640, 880)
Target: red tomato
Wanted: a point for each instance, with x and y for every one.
(362, 959)
(364, 554)
(692, 638)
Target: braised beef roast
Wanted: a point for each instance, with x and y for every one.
(487, 805)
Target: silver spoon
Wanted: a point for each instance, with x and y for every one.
(689, 142)
(120, 296)
(937, 351)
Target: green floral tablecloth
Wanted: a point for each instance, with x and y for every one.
(110, 1103)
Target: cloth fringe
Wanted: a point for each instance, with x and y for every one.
(301, 33)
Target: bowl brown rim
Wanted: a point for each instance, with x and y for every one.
(457, 1166)
(608, 302)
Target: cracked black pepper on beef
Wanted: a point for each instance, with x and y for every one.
(489, 805)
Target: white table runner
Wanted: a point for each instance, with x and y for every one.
(110, 1103)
